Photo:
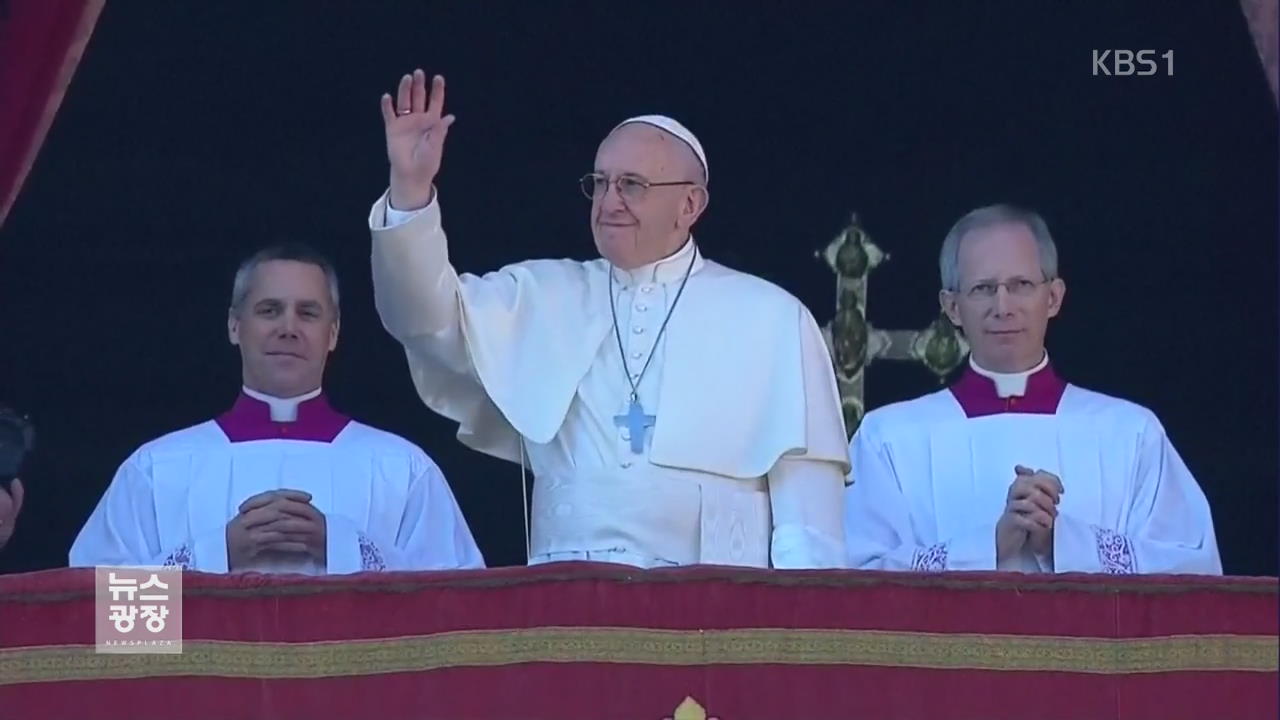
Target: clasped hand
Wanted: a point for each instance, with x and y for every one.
(281, 521)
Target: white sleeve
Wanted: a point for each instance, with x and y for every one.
(122, 529)
(804, 496)
(393, 217)
(425, 305)
(432, 535)
(1168, 526)
(415, 288)
(880, 533)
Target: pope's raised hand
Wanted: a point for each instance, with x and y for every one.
(416, 130)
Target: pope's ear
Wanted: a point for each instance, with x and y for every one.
(695, 203)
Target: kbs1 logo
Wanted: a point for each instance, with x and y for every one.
(1123, 63)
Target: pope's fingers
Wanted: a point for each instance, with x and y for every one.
(403, 101)
(388, 108)
(418, 93)
(441, 130)
(435, 101)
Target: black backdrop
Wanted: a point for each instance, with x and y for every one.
(195, 132)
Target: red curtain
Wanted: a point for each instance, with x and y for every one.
(577, 641)
(1262, 17)
(41, 42)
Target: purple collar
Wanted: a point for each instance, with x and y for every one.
(977, 394)
(250, 419)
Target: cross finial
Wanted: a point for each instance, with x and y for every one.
(855, 343)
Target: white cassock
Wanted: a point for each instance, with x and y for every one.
(931, 476)
(386, 503)
(743, 462)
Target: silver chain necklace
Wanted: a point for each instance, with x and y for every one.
(635, 420)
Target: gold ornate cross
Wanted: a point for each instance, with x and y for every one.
(855, 344)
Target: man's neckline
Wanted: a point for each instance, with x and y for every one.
(250, 419)
(669, 269)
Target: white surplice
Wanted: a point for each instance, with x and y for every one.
(931, 475)
(744, 463)
(386, 503)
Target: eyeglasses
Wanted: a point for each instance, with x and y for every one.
(1017, 287)
(630, 187)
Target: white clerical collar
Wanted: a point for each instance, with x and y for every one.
(1009, 384)
(669, 269)
(282, 409)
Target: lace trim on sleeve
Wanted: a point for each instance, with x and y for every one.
(1114, 552)
(930, 559)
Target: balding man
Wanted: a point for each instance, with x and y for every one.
(673, 411)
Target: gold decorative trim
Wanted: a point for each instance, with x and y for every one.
(495, 648)
(523, 577)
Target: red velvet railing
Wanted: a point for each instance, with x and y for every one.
(584, 641)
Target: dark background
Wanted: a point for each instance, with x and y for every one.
(194, 132)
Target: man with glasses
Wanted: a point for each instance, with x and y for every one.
(1013, 468)
(673, 411)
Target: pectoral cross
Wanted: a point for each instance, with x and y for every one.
(635, 421)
